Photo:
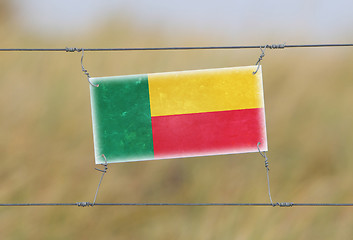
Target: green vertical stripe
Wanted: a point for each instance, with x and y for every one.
(122, 118)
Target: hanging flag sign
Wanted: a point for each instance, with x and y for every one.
(178, 114)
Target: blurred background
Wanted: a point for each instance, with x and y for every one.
(46, 138)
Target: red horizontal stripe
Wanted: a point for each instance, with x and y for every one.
(210, 133)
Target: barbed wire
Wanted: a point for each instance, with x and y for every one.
(89, 204)
(271, 46)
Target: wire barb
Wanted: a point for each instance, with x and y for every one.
(276, 46)
(67, 49)
(285, 204)
(263, 154)
(84, 204)
(83, 69)
(103, 172)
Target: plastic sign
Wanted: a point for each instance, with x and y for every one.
(178, 114)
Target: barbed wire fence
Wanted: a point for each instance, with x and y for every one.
(104, 171)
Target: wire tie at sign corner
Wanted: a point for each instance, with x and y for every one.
(262, 55)
(105, 164)
(103, 172)
(85, 71)
(263, 48)
(263, 154)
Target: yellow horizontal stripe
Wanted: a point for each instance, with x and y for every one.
(205, 91)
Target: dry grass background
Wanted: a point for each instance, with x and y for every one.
(46, 146)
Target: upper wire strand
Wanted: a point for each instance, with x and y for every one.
(273, 46)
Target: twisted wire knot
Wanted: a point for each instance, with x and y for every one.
(276, 46)
(67, 49)
(267, 164)
(85, 71)
(84, 204)
(283, 204)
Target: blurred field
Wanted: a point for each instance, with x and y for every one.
(47, 146)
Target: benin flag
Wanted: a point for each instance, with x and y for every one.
(178, 114)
